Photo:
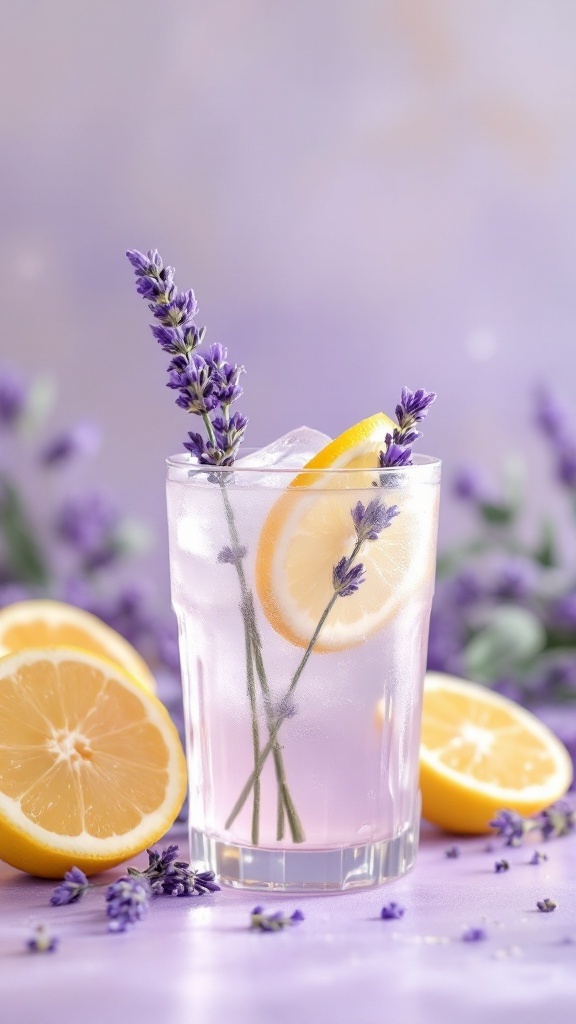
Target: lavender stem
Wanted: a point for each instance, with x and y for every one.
(260, 761)
(253, 638)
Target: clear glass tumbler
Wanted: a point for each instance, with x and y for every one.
(303, 602)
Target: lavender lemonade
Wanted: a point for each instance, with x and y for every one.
(302, 578)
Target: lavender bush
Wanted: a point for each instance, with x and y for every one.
(73, 547)
(505, 606)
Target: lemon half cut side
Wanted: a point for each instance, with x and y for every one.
(481, 753)
(92, 769)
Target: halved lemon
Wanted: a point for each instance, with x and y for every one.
(481, 753)
(43, 623)
(92, 770)
(310, 529)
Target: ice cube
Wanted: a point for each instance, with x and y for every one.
(291, 451)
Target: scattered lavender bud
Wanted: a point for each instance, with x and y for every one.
(474, 935)
(42, 941)
(73, 887)
(453, 852)
(501, 865)
(276, 922)
(392, 912)
(546, 906)
(537, 857)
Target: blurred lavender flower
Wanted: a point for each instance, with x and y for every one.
(276, 922)
(501, 865)
(73, 887)
(453, 852)
(474, 934)
(557, 820)
(206, 384)
(546, 906)
(127, 902)
(12, 397)
(86, 522)
(469, 485)
(80, 440)
(42, 941)
(537, 857)
(511, 826)
(392, 912)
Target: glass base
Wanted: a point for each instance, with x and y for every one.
(300, 870)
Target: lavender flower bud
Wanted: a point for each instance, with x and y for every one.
(73, 887)
(127, 902)
(370, 520)
(347, 580)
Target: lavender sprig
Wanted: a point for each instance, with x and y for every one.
(207, 385)
(369, 521)
(347, 576)
(412, 409)
(166, 875)
(553, 822)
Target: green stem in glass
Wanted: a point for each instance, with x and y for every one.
(285, 802)
(261, 759)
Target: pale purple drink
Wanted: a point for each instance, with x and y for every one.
(342, 744)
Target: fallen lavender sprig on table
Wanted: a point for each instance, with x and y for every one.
(557, 820)
(128, 898)
(275, 922)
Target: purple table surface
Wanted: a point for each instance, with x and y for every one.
(195, 961)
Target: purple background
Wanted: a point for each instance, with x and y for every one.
(363, 195)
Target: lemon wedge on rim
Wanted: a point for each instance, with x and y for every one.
(310, 528)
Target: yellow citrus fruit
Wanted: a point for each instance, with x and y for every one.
(309, 529)
(481, 753)
(43, 623)
(92, 770)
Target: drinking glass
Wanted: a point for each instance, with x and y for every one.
(303, 643)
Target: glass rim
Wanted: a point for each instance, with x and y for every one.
(182, 460)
